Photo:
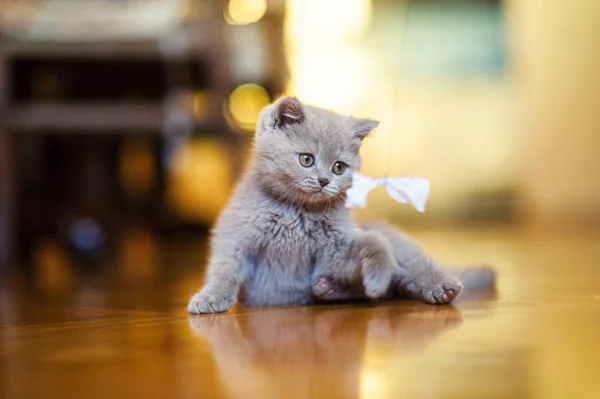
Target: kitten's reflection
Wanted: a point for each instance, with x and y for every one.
(306, 352)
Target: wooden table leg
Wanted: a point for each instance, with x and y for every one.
(6, 153)
(5, 197)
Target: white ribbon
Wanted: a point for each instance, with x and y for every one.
(413, 190)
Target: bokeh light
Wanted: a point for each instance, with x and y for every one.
(136, 167)
(327, 66)
(336, 78)
(327, 20)
(245, 103)
(244, 12)
(201, 104)
(201, 180)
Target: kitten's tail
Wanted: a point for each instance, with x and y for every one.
(476, 278)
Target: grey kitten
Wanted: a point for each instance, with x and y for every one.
(286, 237)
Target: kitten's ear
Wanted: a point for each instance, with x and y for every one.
(289, 112)
(362, 127)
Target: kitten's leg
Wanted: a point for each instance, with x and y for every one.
(376, 257)
(223, 281)
(335, 276)
(364, 268)
(418, 276)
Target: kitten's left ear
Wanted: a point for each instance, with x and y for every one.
(362, 127)
(289, 112)
(283, 112)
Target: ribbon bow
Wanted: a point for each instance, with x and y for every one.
(413, 190)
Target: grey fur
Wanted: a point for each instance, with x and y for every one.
(284, 240)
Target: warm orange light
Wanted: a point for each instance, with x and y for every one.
(245, 104)
(244, 12)
(200, 180)
(322, 21)
(328, 68)
(136, 167)
(201, 104)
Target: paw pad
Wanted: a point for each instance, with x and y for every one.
(326, 288)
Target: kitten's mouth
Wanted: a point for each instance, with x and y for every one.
(315, 194)
(321, 194)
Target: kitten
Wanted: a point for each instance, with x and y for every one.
(286, 237)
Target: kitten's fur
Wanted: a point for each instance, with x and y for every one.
(284, 240)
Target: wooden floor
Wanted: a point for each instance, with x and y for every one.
(125, 333)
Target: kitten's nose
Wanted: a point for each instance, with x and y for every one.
(323, 181)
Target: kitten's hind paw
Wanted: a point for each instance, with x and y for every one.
(441, 293)
(327, 289)
(207, 303)
(434, 287)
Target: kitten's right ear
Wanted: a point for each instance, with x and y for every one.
(363, 127)
(289, 111)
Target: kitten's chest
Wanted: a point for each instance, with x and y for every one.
(293, 239)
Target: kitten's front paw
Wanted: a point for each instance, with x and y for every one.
(376, 279)
(376, 285)
(207, 303)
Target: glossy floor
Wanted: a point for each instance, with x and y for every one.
(125, 333)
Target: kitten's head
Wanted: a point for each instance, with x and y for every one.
(306, 154)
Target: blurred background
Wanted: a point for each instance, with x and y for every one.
(124, 123)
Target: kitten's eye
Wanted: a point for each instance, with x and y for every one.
(306, 160)
(339, 167)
